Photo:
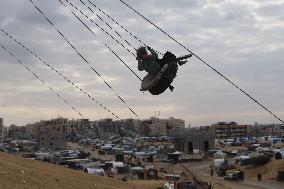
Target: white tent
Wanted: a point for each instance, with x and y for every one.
(98, 172)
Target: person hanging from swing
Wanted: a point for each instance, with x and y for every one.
(161, 72)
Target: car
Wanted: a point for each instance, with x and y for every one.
(235, 176)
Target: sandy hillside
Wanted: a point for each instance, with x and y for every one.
(268, 171)
(20, 173)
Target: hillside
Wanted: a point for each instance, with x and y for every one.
(20, 173)
(268, 171)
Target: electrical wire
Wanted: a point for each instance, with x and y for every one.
(88, 28)
(46, 85)
(111, 18)
(203, 61)
(109, 26)
(60, 74)
(98, 26)
(85, 60)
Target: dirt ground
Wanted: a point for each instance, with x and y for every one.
(268, 171)
(20, 173)
(202, 169)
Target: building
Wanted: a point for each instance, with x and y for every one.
(125, 127)
(80, 128)
(194, 139)
(163, 127)
(17, 132)
(106, 127)
(2, 132)
(223, 130)
(259, 130)
(51, 133)
(1, 128)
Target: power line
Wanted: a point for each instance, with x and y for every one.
(134, 36)
(231, 82)
(116, 32)
(98, 26)
(46, 85)
(60, 74)
(68, 80)
(95, 34)
(85, 60)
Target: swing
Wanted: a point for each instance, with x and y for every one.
(158, 84)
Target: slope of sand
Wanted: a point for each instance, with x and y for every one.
(268, 171)
(20, 173)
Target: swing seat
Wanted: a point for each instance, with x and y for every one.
(158, 84)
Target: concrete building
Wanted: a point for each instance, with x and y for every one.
(223, 130)
(33, 129)
(51, 133)
(2, 131)
(194, 139)
(106, 127)
(1, 128)
(175, 126)
(163, 127)
(80, 128)
(17, 132)
(125, 127)
(259, 130)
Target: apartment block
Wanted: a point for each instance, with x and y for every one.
(162, 127)
(223, 130)
(51, 133)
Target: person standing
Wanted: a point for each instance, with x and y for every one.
(259, 176)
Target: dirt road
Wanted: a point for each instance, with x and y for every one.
(202, 169)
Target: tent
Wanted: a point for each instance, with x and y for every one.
(98, 172)
(279, 154)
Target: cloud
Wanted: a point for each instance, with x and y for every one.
(242, 39)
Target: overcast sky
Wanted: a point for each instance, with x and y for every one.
(243, 39)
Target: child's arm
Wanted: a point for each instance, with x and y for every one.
(153, 53)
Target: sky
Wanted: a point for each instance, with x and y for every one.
(242, 39)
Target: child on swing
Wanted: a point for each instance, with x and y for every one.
(152, 64)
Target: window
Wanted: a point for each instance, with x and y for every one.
(190, 148)
(206, 146)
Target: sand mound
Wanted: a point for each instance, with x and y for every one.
(268, 171)
(20, 173)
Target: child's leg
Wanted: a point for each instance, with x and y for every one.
(182, 62)
(184, 57)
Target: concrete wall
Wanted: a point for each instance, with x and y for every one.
(194, 139)
(202, 142)
(52, 140)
